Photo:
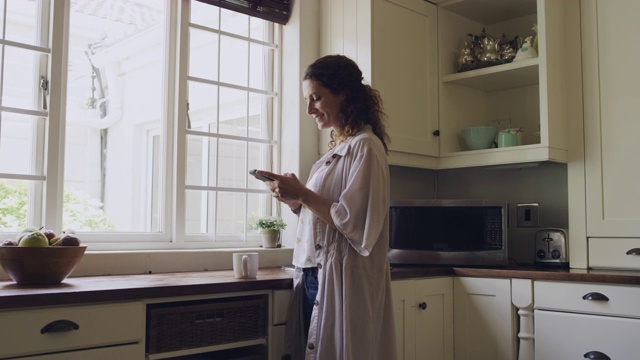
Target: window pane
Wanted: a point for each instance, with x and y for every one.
(234, 61)
(205, 15)
(115, 118)
(20, 78)
(260, 116)
(19, 144)
(232, 157)
(259, 158)
(258, 27)
(22, 21)
(233, 22)
(259, 57)
(203, 58)
(231, 220)
(203, 106)
(14, 203)
(201, 161)
(233, 112)
(200, 212)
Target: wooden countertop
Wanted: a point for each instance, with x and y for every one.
(94, 289)
(521, 272)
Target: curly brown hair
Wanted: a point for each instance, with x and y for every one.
(362, 104)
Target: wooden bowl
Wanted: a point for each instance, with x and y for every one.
(40, 265)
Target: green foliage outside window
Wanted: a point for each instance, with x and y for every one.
(80, 211)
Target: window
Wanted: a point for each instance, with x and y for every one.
(167, 105)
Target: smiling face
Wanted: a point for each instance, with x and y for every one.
(322, 104)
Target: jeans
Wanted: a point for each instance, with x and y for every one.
(310, 284)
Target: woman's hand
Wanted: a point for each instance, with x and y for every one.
(286, 188)
(289, 190)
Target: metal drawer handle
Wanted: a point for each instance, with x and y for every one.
(596, 355)
(595, 296)
(634, 251)
(423, 305)
(59, 326)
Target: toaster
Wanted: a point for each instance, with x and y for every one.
(551, 247)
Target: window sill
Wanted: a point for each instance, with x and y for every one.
(96, 263)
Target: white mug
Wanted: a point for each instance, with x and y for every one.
(245, 265)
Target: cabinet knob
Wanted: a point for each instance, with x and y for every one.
(595, 296)
(634, 251)
(59, 326)
(423, 305)
(436, 133)
(596, 355)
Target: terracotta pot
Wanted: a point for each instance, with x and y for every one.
(270, 238)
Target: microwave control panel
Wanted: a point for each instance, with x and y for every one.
(493, 228)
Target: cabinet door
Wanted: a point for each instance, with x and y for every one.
(610, 113)
(404, 313)
(578, 336)
(404, 70)
(423, 311)
(434, 318)
(484, 324)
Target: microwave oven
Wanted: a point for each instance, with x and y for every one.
(448, 232)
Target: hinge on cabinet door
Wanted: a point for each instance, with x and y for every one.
(44, 86)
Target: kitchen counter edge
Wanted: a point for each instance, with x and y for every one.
(96, 289)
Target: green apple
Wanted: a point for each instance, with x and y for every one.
(26, 231)
(34, 239)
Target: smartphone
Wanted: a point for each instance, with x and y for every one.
(258, 176)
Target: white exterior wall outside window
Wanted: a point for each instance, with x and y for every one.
(133, 69)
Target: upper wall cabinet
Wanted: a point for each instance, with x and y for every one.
(409, 50)
(394, 43)
(530, 93)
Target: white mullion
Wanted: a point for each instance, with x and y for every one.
(218, 121)
(179, 99)
(232, 35)
(11, 176)
(232, 86)
(38, 113)
(29, 47)
(55, 144)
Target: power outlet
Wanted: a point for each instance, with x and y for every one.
(527, 215)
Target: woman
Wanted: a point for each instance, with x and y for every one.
(342, 287)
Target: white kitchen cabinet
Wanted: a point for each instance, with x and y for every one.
(111, 331)
(423, 311)
(279, 309)
(537, 94)
(484, 322)
(606, 222)
(408, 51)
(394, 42)
(583, 320)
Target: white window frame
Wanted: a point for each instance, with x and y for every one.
(172, 235)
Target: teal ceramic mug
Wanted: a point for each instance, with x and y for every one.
(506, 138)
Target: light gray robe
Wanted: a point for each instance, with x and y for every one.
(353, 317)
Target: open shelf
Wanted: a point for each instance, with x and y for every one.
(499, 77)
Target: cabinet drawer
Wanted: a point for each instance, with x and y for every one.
(97, 325)
(572, 336)
(134, 351)
(568, 296)
(614, 253)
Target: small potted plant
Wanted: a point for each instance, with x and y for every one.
(269, 228)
